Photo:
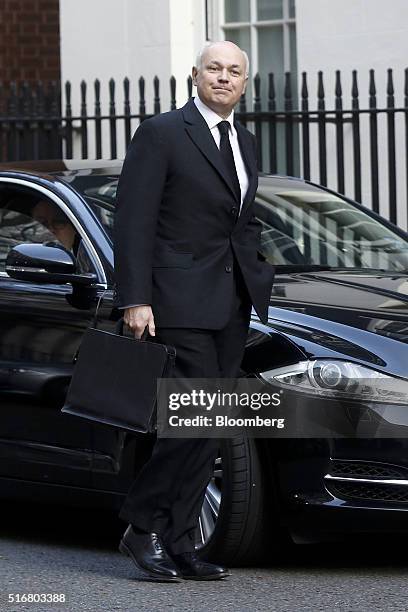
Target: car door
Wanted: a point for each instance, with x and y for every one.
(118, 455)
(41, 326)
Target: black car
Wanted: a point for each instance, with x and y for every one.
(337, 331)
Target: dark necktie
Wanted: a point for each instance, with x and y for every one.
(228, 156)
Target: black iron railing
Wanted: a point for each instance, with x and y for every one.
(292, 137)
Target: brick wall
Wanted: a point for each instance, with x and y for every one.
(29, 40)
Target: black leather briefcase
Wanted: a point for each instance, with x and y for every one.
(115, 379)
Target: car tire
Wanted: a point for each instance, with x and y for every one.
(243, 524)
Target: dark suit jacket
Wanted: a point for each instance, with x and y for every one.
(177, 227)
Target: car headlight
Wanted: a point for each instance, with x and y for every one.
(332, 378)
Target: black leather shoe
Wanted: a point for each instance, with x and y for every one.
(193, 568)
(149, 555)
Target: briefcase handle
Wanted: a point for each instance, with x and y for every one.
(119, 329)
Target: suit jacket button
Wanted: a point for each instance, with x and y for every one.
(228, 268)
(234, 210)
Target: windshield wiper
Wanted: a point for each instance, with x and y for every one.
(323, 268)
(303, 268)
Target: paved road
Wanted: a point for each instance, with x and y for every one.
(69, 552)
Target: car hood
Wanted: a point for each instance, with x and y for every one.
(363, 315)
(373, 301)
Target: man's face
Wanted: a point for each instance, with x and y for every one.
(221, 79)
(56, 222)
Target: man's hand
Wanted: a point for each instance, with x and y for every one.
(137, 318)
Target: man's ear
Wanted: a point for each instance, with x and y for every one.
(194, 75)
(245, 85)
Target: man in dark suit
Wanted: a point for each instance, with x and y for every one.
(187, 267)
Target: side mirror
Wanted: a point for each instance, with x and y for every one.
(45, 264)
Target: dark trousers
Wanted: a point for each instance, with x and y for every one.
(167, 495)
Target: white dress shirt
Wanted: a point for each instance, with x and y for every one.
(212, 120)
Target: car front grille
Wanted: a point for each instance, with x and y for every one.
(367, 480)
(366, 469)
(369, 491)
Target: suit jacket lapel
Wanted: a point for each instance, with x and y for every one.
(199, 133)
(246, 147)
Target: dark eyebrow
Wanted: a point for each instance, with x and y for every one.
(219, 64)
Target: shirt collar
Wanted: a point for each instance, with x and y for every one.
(211, 118)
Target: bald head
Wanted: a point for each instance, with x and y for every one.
(221, 75)
(220, 45)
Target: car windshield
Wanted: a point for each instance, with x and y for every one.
(303, 227)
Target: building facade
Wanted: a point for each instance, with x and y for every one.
(114, 39)
(29, 40)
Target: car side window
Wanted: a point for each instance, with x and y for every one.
(17, 226)
(38, 220)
